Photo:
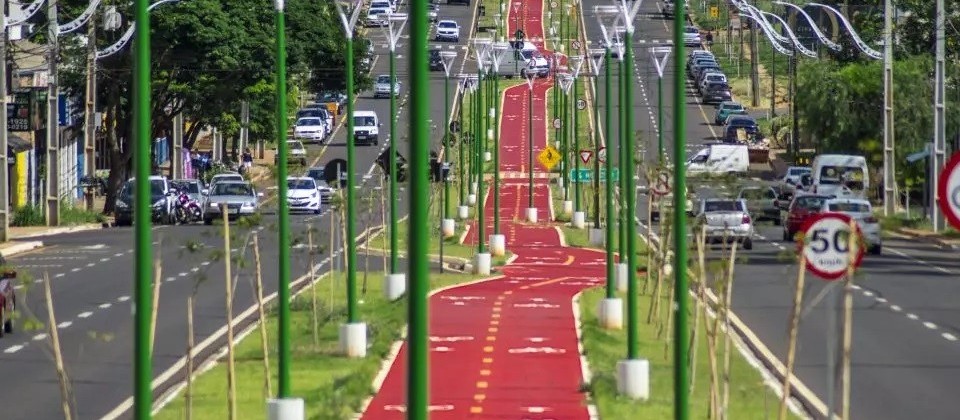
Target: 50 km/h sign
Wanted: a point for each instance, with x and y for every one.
(826, 245)
(948, 191)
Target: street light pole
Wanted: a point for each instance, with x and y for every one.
(498, 242)
(596, 63)
(143, 302)
(680, 338)
(353, 334)
(482, 261)
(52, 208)
(395, 281)
(531, 210)
(463, 211)
(579, 217)
(448, 225)
(659, 55)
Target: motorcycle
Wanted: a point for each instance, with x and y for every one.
(186, 210)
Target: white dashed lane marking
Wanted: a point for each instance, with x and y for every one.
(930, 325)
(949, 337)
(13, 349)
(64, 324)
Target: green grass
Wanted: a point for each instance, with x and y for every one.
(749, 397)
(333, 386)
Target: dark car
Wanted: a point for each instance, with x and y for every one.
(716, 93)
(740, 133)
(742, 121)
(160, 202)
(436, 63)
(8, 298)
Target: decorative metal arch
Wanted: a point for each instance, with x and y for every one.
(773, 40)
(816, 28)
(872, 53)
(796, 42)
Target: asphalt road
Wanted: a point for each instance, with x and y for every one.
(91, 274)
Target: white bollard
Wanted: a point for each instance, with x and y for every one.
(394, 286)
(285, 409)
(472, 199)
(597, 236)
(498, 245)
(463, 212)
(622, 279)
(448, 227)
(579, 219)
(610, 313)
(633, 378)
(473, 188)
(353, 340)
(568, 207)
(532, 214)
(487, 156)
(482, 263)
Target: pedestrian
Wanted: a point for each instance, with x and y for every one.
(709, 39)
(247, 158)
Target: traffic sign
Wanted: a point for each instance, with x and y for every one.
(826, 245)
(714, 12)
(553, 5)
(948, 191)
(585, 155)
(661, 185)
(602, 155)
(581, 104)
(575, 45)
(557, 123)
(586, 175)
(454, 126)
(549, 157)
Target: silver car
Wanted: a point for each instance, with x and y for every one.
(240, 198)
(861, 211)
(762, 202)
(725, 220)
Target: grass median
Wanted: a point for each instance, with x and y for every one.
(332, 386)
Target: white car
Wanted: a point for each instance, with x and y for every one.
(366, 128)
(860, 210)
(791, 180)
(296, 153)
(691, 36)
(448, 30)
(302, 194)
(710, 78)
(381, 88)
(433, 11)
(310, 129)
(727, 220)
(379, 17)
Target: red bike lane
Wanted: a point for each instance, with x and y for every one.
(507, 347)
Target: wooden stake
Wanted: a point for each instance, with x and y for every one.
(188, 393)
(792, 344)
(711, 336)
(728, 300)
(228, 283)
(313, 289)
(699, 312)
(853, 245)
(646, 280)
(264, 348)
(57, 353)
(157, 279)
(383, 232)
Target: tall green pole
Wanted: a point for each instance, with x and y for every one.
(611, 219)
(576, 145)
(352, 315)
(446, 147)
(622, 151)
(481, 148)
(564, 143)
(496, 155)
(143, 370)
(530, 142)
(633, 342)
(681, 379)
(660, 119)
(418, 372)
(283, 224)
(461, 150)
(394, 236)
(596, 154)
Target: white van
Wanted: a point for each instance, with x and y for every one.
(841, 176)
(366, 127)
(720, 159)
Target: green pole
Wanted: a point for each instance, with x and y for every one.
(576, 145)
(462, 169)
(596, 154)
(622, 151)
(419, 264)
(283, 224)
(481, 147)
(565, 144)
(143, 370)
(660, 118)
(352, 316)
(633, 343)
(611, 219)
(446, 148)
(530, 142)
(496, 155)
(394, 237)
(681, 379)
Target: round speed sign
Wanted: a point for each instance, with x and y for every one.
(948, 191)
(826, 245)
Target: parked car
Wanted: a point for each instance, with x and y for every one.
(861, 211)
(240, 198)
(296, 153)
(726, 109)
(448, 30)
(708, 77)
(436, 62)
(378, 17)
(716, 93)
(801, 207)
(725, 220)
(310, 129)
(762, 202)
(791, 181)
(8, 300)
(302, 194)
(691, 36)
(381, 88)
(433, 11)
(335, 102)
(740, 128)
(318, 111)
(325, 191)
(226, 176)
(160, 198)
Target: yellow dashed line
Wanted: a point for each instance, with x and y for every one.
(495, 322)
(485, 372)
(491, 338)
(501, 297)
(524, 287)
(569, 260)
(508, 292)
(488, 349)
(492, 329)
(482, 384)
(476, 410)
(496, 309)
(479, 397)
(487, 360)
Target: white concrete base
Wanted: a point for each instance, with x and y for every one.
(622, 279)
(610, 313)
(473, 188)
(556, 144)
(532, 214)
(285, 409)
(482, 263)
(472, 199)
(487, 156)
(633, 379)
(498, 245)
(394, 286)
(353, 339)
(579, 219)
(568, 207)
(560, 184)
(463, 212)
(597, 236)
(448, 227)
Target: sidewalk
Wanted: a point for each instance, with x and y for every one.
(26, 238)
(928, 237)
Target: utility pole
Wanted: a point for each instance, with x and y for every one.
(754, 67)
(53, 119)
(90, 124)
(939, 122)
(244, 125)
(176, 160)
(4, 169)
(889, 163)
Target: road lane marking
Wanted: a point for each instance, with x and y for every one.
(912, 316)
(74, 270)
(39, 337)
(867, 293)
(949, 337)
(58, 275)
(482, 384)
(105, 259)
(64, 324)
(84, 314)
(881, 300)
(915, 259)
(91, 264)
(170, 279)
(123, 298)
(930, 325)
(895, 308)
(13, 349)
(105, 305)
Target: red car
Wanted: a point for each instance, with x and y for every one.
(801, 207)
(8, 300)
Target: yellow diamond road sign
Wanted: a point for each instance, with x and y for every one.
(549, 157)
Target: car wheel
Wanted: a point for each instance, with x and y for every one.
(748, 244)
(776, 221)
(876, 250)
(207, 221)
(317, 211)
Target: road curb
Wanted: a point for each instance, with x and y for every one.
(930, 239)
(61, 230)
(20, 247)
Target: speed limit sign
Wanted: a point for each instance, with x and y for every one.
(948, 191)
(661, 184)
(826, 245)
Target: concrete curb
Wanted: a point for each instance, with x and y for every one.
(61, 230)
(930, 239)
(20, 247)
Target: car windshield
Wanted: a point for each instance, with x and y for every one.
(727, 205)
(850, 207)
(799, 171)
(309, 121)
(364, 121)
(851, 177)
(232, 188)
(691, 30)
(315, 173)
(743, 122)
(447, 24)
(383, 79)
(756, 194)
(733, 107)
(229, 177)
(187, 187)
(301, 184)
(156, 188)
(810, 202)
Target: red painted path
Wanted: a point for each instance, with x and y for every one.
(507, 348)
